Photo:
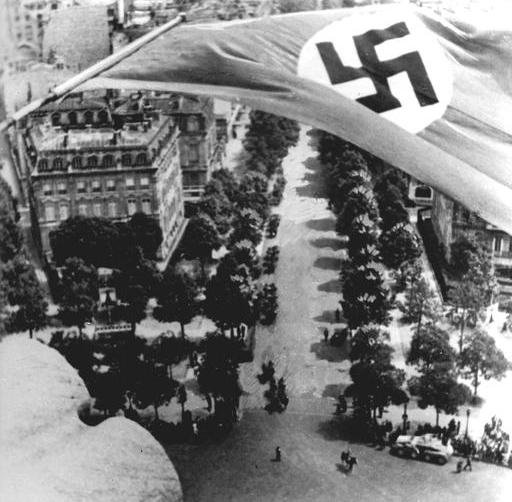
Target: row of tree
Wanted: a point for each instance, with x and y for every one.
(369, 198)
(232, 210)
(23, 304)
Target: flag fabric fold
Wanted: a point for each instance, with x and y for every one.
(430, 97)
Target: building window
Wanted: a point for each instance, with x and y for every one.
(49, 212)
(80, 187)
(72, 117)
(103, 116)
(88, 116)
(57, 164)
(132, 206)
(47, 189)
(130, 183)
(96, 186)
(63, 212)
(144, 182)
(55, 119)
(62, 188)
(76, 162)
(141, 159)
(497, 244)
(193, 124)
(112, 209)
(82, 209)
(96, 209)
(92, 161)
(193, 153)
(126, 159)
(108, 161)
(111, 186)
(43, 165)
(146, 206)
(423, 192)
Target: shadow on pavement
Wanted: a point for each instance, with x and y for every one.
(315, 181)
(326, 316)
(332, 390)
(329, 352)
(322, 224)
(327, 242)
(328, 263)
(332, 286)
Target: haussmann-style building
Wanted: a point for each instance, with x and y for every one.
(94, 156)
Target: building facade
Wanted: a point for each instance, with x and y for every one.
(89, 157)
(200, 152)
(450, 221)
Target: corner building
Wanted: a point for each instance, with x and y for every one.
(88, 157)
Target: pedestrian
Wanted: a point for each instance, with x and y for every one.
(278, 454)
(459, 466)
(326, 335)
(337, 314)
(468, 465)
(458, 427)
(351, 461)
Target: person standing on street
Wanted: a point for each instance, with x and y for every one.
(468, 465)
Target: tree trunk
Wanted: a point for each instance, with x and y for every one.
(182, 325)
(419, 320)
(182, 410)
(437, 417)
(133, 327)
(30, 333)
(476, 383)
(462, 326)
(155, 405)
(232, 332)
(80, 327)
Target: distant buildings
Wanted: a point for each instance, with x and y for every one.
(450, 221)
(98, 157)
(24, 23)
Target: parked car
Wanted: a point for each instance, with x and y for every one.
(426, 447)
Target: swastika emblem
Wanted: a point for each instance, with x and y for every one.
(388, 63)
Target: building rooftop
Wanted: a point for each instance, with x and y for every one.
(170, 103)
(47, 138)
(92, 100)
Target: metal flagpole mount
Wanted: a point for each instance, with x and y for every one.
(91, 72)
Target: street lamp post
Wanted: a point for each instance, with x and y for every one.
(468, 412)
(404, 418)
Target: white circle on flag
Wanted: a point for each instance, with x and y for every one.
(419, 45)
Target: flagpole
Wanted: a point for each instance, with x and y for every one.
(94, 70)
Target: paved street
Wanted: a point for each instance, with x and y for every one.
(306, 277)
(240, 468)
